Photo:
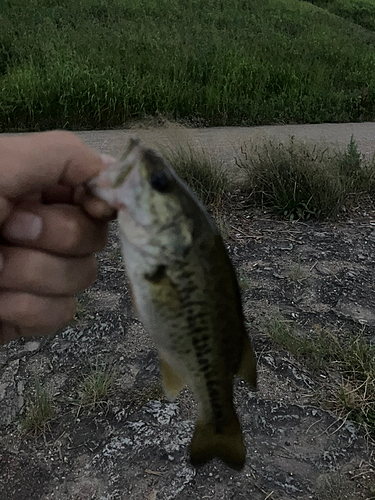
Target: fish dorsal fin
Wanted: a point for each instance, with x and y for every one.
(247, 370)
(172, 381)
(131, 157)
(133, 143)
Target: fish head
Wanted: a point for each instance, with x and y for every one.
(154, 206)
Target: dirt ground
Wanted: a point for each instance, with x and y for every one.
(135, 445)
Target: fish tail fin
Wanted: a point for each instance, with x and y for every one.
(247, 369)
(227, 444)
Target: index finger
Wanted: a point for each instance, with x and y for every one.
(34, 162)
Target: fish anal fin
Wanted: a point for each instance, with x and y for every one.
(172, 381)
(226, 445)
(247, 369)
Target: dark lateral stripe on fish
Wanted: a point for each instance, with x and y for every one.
(188, 290)
(201, 339)
(186, 275)
(200, 345)
(181, 264)
(191, 303)
(197, 315)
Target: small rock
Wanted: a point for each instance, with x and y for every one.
(11, 393)
(31, 346)
(285, 245)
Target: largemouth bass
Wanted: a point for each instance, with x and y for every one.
(185, 292)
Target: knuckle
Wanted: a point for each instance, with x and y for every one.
(46, 314)
(7, 333)
(71, 146)
(34, 271)
(90, 272)
(65, 137)
(38, 314)
(68, 309)
(93, 269)
(37, 272)
(101, 238)
(82, 274)
(27, 310)
(72, 234)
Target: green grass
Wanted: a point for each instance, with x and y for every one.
(222, 223)
(300, 182)
(96, 386)
(295, 180)
(244, 280)
(335, 486)
(205, 176)
(141, 396)
(352, 357)
(297, 272)
(96, 63)
(316, 351)
(39, 411)
(360, 12)
(81, 301)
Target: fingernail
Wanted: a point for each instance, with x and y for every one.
(23, 226)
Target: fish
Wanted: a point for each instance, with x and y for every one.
(185, 291)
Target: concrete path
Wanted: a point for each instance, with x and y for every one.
(225, 142)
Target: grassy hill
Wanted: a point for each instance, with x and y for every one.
(361, 12)
(101, 63)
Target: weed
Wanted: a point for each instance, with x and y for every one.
(370, 493)
(81, 303)
(370, 176)
(351, 160)
(244, 281)
(302, 182)
(296, 272)
(358, 395)
(315, 352)
(142, 396)
(353, 358)
(222, 224)
(202, 174)
(334, 486)
(39, 411)
(115, 255)
(97, 385)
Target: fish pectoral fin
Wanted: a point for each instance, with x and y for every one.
(172, 381)
(248, 366)
(226, 445)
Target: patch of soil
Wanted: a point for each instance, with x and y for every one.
(135, 445)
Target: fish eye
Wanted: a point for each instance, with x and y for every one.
(159, 181)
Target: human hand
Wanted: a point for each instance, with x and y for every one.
(50, 226)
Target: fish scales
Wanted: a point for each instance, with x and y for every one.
(186, 293)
